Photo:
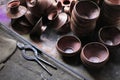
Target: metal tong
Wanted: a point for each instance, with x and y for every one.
(35, 56)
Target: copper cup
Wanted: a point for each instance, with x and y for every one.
(68, 45)
(94, 55)
(84, 17)
(111, 12)
(15, 10)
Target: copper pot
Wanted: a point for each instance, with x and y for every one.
(40, 7)
(15, 10)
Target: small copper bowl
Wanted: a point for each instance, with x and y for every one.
(110, 36)
(68, 45)
(94, 55)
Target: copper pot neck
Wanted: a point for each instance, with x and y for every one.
(14, 6)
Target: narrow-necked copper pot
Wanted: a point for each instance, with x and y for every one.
(94, 55)
(68, 45)
(15, 10)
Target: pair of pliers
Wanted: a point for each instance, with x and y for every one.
(35, 57)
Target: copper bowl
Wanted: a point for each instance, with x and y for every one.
(94, 55)
(83, 18)
(68, 45)
(110, 36)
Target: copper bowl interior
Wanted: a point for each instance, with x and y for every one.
(110, 36)
(95, 53)
(87, 9)
(68, 44)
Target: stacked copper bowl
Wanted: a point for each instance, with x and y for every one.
(84, 17)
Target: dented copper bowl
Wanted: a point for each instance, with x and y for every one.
(83, 20)
(94, 55)
(15, 10)
(68, 45)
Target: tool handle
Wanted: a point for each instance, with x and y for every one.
(51, 65)
(43, 66)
